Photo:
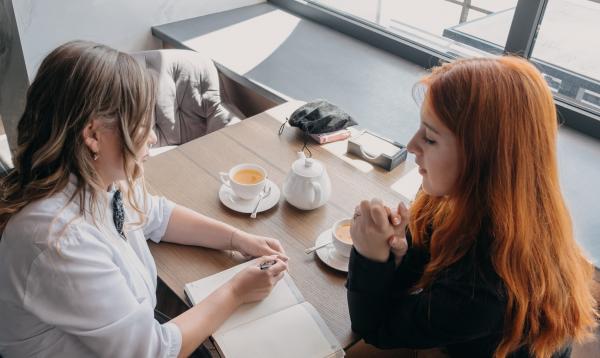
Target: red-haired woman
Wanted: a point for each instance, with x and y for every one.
(488, 265)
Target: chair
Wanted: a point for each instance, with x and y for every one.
(189, 102)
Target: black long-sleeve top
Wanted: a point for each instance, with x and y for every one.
(462, 309)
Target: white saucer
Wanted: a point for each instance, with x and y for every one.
(233, 202)
(329, 255)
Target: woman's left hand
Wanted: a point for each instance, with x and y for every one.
(254, 245)
(371, 230)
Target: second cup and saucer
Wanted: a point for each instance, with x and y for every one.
(242, 186)
(337, 254)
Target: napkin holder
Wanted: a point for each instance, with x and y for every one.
(377, 150)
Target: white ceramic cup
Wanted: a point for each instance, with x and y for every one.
(244, 191)
(342, 247)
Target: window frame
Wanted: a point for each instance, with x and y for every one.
(520, 41)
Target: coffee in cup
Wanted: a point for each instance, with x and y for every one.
(340, 234)
(248, 176)
(245, 180)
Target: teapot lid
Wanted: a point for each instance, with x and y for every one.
(307, 167)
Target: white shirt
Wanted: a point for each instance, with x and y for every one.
(69, 288)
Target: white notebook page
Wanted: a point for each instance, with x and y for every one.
(284, 294)
(291, 333)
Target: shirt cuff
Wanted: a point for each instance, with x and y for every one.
(167, 207)
(365, 275)
(175, 339)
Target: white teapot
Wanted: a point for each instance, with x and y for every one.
(307, 185)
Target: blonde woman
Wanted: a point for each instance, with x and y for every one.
(76, 274)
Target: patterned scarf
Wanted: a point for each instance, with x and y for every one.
(118, 213)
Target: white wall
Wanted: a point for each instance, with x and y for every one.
(122, 24)
(36, 27)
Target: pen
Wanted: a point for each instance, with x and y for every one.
(265, 265)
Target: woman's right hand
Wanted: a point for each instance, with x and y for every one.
(253, 284)
(398, 243)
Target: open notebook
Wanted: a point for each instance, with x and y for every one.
(281, 325)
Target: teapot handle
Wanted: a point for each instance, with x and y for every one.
(318, 194)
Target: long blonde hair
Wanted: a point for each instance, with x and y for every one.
(503, 115)
(75, 83)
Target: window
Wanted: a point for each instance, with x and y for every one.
(447, 26)
(559, 36)
(567, 51)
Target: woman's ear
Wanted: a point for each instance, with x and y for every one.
(90, 136)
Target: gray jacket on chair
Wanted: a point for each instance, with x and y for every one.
(188, 102)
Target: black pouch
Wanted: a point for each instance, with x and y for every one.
(318, 117)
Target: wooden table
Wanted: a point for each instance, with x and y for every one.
(188, 175)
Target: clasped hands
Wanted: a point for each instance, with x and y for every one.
(376, 230)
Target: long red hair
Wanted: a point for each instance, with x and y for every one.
(503, 115)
